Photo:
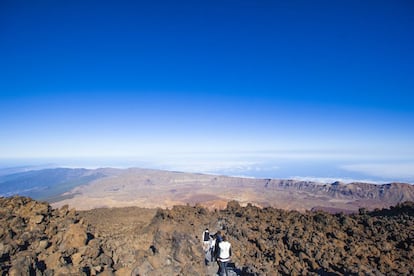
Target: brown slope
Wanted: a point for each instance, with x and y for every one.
(38, 240)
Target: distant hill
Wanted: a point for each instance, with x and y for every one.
(392, 192)
(156, 188)
(47, 183)
(107, 187)
(20, 169)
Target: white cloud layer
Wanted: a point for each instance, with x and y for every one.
(206, 166)
(385, 170)
(329, 180)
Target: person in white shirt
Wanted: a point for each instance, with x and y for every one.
(224, 255)
(212, 248)
(206, 241)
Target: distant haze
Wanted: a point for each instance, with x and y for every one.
(325, 170)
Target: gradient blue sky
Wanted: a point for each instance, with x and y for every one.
(216, 78)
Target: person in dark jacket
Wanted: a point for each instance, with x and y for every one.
(218, 240)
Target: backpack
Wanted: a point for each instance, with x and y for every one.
(206, 236)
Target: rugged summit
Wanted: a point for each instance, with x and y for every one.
(36, 239)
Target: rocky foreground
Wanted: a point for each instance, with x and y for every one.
(38, 240)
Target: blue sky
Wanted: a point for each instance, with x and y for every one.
(164, 79)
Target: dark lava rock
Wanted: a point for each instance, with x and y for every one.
(37, 240)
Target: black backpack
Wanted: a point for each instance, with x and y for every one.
(206, 236)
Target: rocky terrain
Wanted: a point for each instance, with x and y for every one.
(38, 240)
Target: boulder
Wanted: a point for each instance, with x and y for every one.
(75, 237)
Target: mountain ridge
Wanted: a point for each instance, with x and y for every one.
(136, 187)
(398, 192)
(110, 187)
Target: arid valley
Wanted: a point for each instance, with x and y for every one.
(154, 188)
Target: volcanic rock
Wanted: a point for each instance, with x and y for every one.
(265, 241)
(37, 240)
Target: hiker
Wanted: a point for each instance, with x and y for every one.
(206, 240)
(212, 248)
(218, 240)
(224, 255)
